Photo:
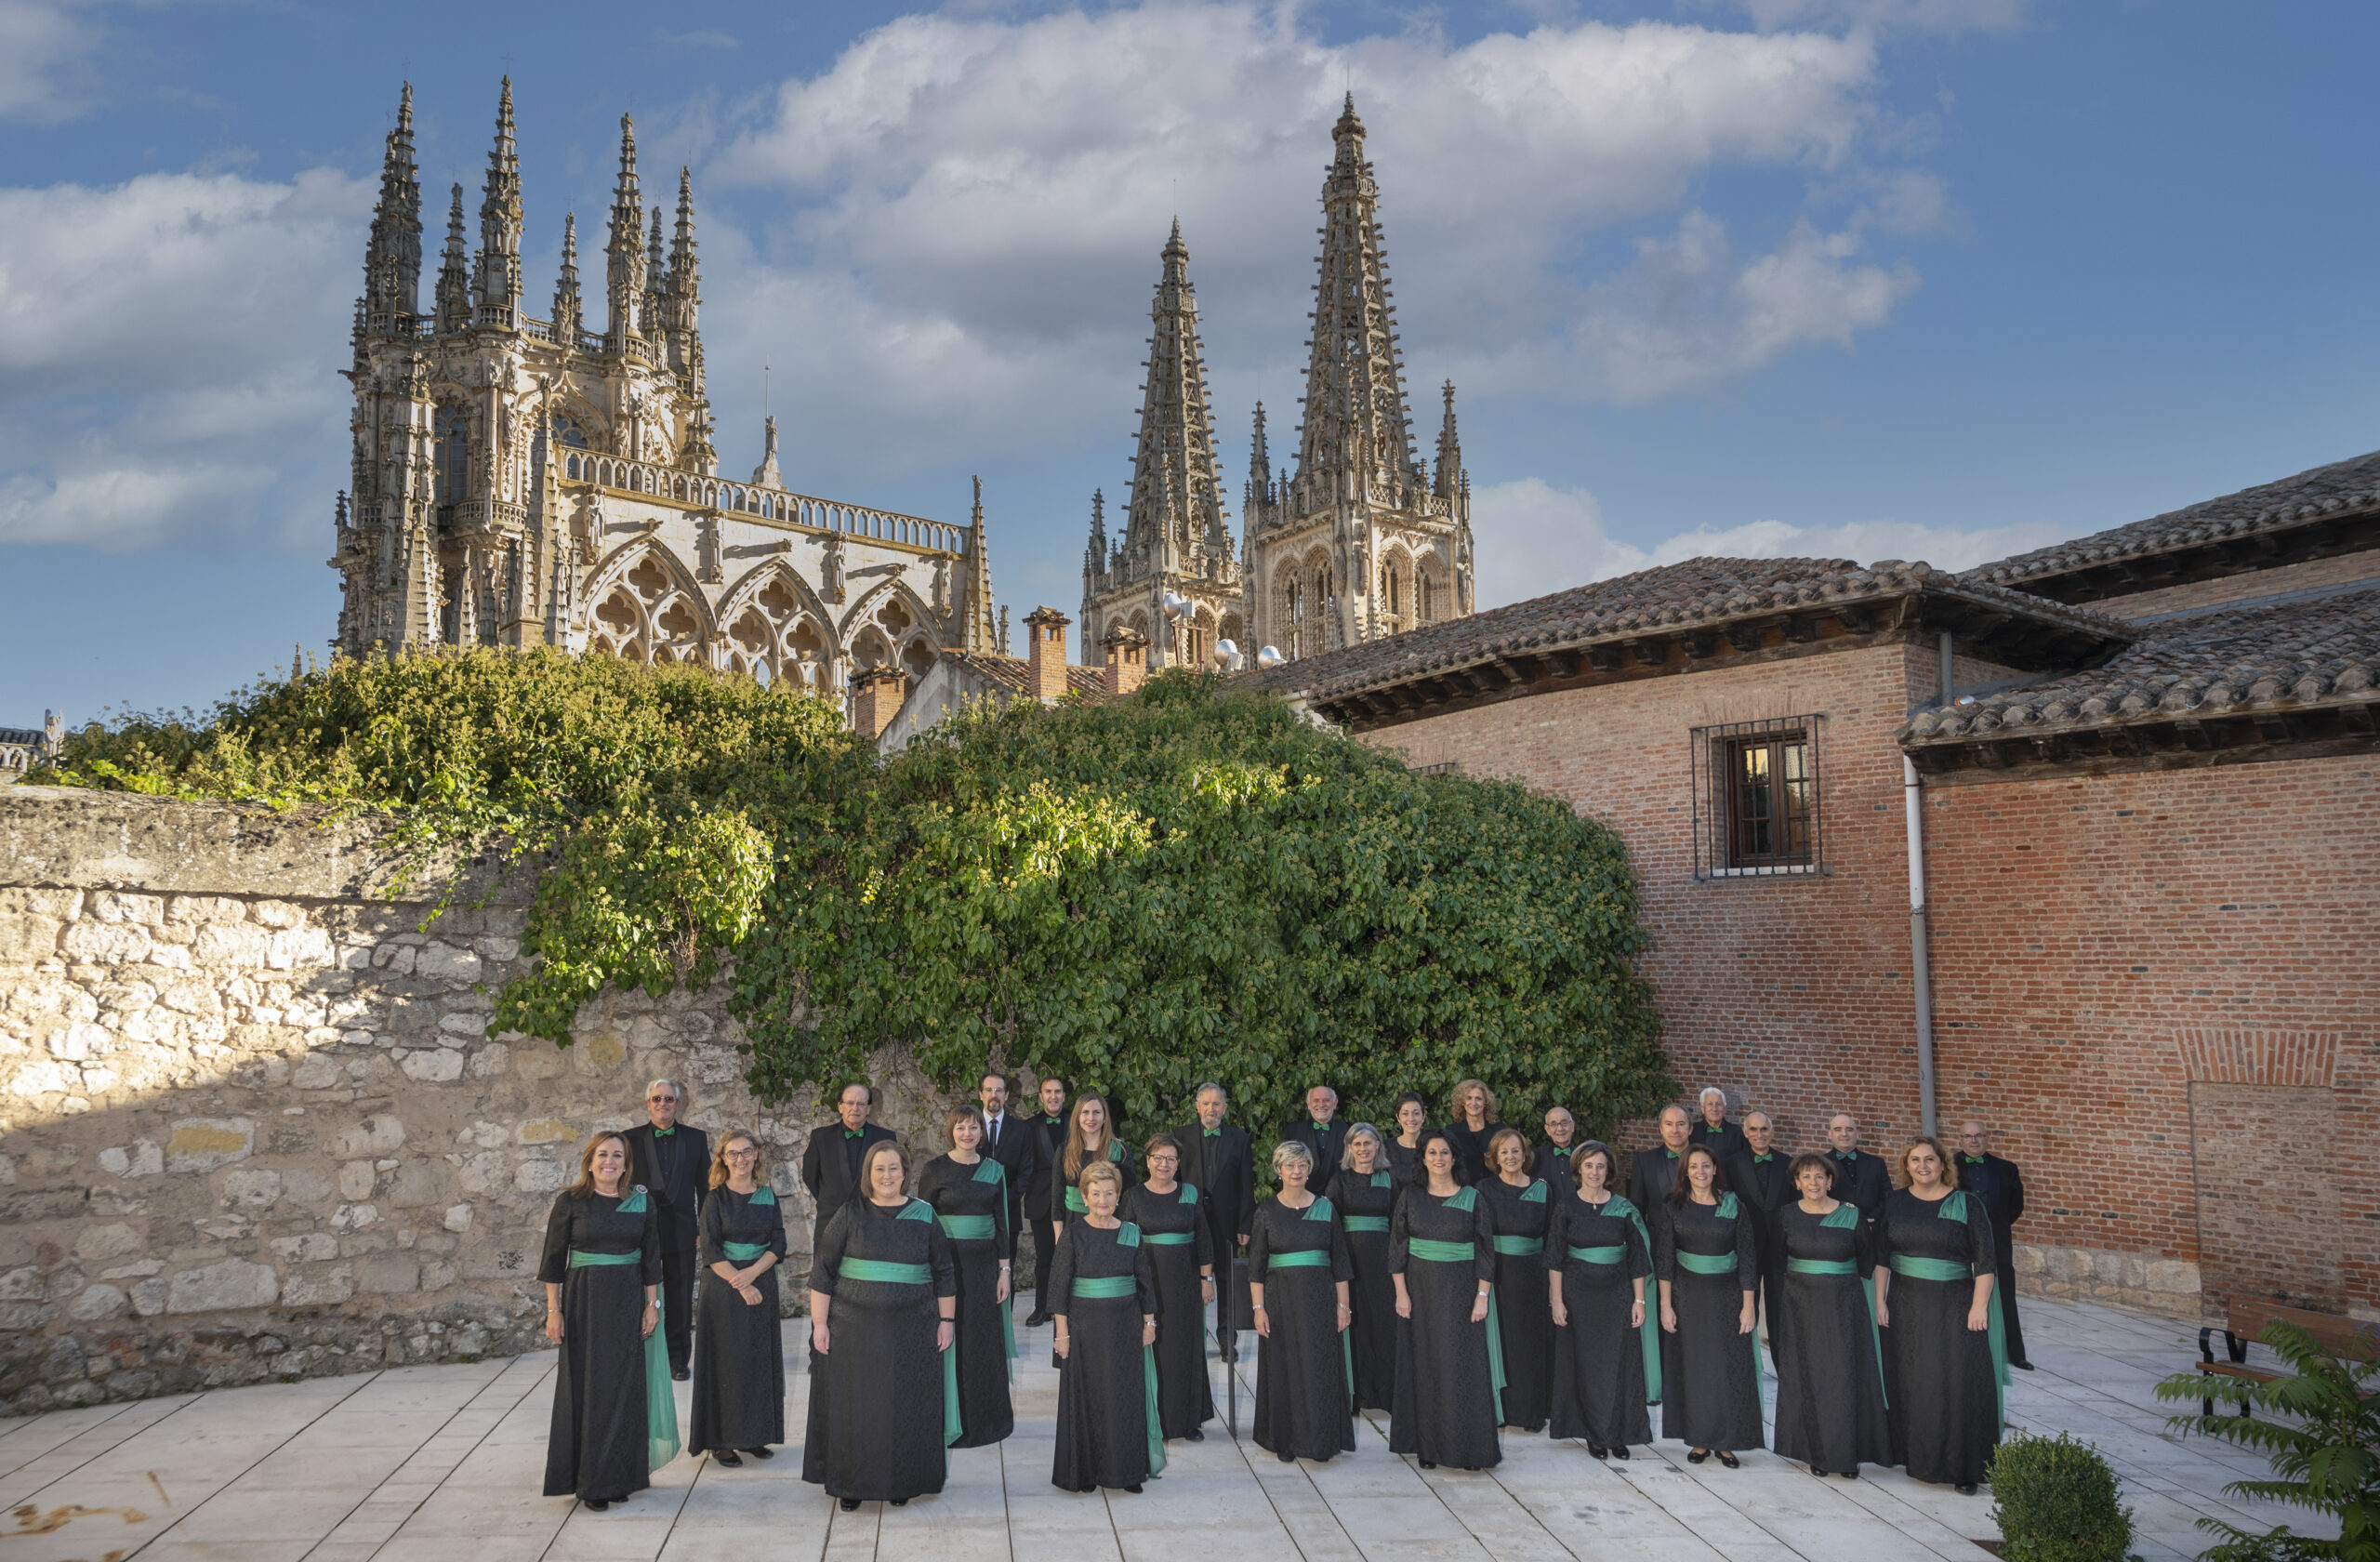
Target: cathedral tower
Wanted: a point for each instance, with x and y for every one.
(1175, 537)
(1360, 541)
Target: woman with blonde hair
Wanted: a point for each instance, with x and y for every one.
(614, 1421)
(883, 1317)
(1090, 1138)
(1104, 1301)
(969, 1192)
(1945, 1362)
(1364, 1192)
(1298, 1272)
(739, 1346)
(1517, 1207)
(1472, 1124)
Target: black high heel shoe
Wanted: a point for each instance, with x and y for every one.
(727, 1457)
(1729, 1460)
(849, 1504)
(1619, 1450)
(1598, 1451)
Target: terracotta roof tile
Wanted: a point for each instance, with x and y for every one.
(1011, 672)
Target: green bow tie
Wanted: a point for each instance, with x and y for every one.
(1050, 1120)
(1212, 1134)
(663, 1133)
(1846, 1154)
(1671, 1154)
(1562, 1150)
(1764, 1160)
(1322, 1128)
(854, 1132)
(1971, 1160)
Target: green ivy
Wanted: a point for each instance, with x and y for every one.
(1138, 895)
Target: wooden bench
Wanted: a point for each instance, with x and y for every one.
(2346, 1337)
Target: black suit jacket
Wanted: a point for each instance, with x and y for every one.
(1327, 1143)
(826, 1172)
(1727, 1142)
(2001, 1187)
(1049, 1136)
(1649, 1176)
(1227, 1193)
(1767, 1186)
(1864, 1181)
(1018, 1150)
(1555, 1170)
(677, 1178)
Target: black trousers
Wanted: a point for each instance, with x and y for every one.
(2004, 1250)
(678, 1305)
(1045, 1247)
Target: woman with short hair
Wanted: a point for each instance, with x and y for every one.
(739, 1342)
(1364, 1192)
(1830, 1370)
(1449, 1364)
(883, 1318)
(969, 1192)
(1469, 1129)
(614, 1421)
(1103, 1299)
(1181, 1257)
(1708, 1273)
(1516, 1211)
(1945, 1363)
(1090, 1138)
(1298, 1272)
(1606, 1361)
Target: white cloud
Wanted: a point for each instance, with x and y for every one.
(45, 56)
(1909, 16)
(1534, 538)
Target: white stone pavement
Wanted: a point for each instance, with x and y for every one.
(443, 1464)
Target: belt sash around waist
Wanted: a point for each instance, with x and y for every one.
(1821, 1266)
(1706, 1263)
(1519, 1247)
(1102, 1288)
(969, 1229)
(1167, 1238)
(1616, 1253)
(1312, 1258)
(660, 1404)
(743, 1252)
(1364, 1223)
(1439, 1252)
(889, 1274)
(1948, 1269)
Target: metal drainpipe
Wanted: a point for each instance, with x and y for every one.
(1921, 962)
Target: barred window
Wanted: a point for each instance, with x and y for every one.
(1757, 798)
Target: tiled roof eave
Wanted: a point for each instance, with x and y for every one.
(2018, 724)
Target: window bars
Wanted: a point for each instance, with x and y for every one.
(1756, 798)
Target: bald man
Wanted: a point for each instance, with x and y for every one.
(1651, 1172)
(1859, 1178)
(2002, 1188)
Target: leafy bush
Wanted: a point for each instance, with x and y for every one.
(2056, 1501)
(2327, 1462)
(1138, 894)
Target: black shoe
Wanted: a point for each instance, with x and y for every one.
(1852, 1473)
(1965, 1488)
(725, 1456)
(1816, 1471)
(1195, 1436)
(680, 1373)
(1429, 1463)
(849, 1504)
(1729, 1460)
(1134, 1488)
(760, 1453)
(1696, 1456)
(1035, 1319)
(1287, 1457)
(1619, 1451)
(596, 1505)
(1598, 1451)
(2022, 1366)
(900, 1502)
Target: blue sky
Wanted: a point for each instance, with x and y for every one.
(1882, 278)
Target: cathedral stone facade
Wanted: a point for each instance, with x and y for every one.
(525, 482)
(1360, 542)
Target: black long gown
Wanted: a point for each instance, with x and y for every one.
(1710, 1370)
(600, 1446)
(739, 1347)
(1941, 1380)
(965, 1198)
(1363, 1203)
(1304, 1404)
(880, 1399)
(1446, 1386)
(1524, 1309)
(1179, 1243)
(1107, 1427)
(1829, 1379)
(1599, 1359)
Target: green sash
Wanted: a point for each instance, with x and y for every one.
(1169, 1238)
(1463, 1198)
(888, 1274)
(1103, 1287)
(1111, 1287)
(1845, 1217)
(1461, 1252)
(1364, 1223)
(1536, 1193)
(1439, 1252)
(969, 1229)
(1311, 1259)
(1821, 1266)
(1948, 1269)
(743, 1252)
(1519, 1247)
(1075, 1206)
(764, 1194)
(1649, 1334)
(989, 1171)
(1189, 1193)
(1706, 1263)
(1148, 1398)
(1616, 1253)
(660, 1403)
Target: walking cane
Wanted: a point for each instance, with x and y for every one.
(1228, 1339)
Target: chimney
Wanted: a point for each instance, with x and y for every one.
(1045, 633)
(1128, 659)
(876, 699)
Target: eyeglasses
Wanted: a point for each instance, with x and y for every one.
(742, 1155)
(658, 1100)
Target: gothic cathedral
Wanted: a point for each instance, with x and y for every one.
(1361, 541)
(522, 481)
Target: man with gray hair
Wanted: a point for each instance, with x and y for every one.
(1711, 1129)
(671, 1162)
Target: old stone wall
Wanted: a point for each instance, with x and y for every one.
(251, 1122)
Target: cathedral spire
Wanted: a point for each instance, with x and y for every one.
(454, 280)
(1177, 489)
(977, 627)
(1358, 433)
(1450, 452)
(393, 258)
(684, 283)
(1095, 557)
(624, 271)
(570, 309)
(499, 257)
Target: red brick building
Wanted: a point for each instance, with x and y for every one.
(2146, 768)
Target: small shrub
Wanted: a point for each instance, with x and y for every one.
(2058, 1502)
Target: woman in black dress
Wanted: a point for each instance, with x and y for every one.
(1364, 1192)
(1182, 1256)
(1830, 1370)
(1449, 1364)
(1710, 1275)
(1606, 1364)
(1103, 1298)
(1945, 1363)
(1090, 1138)
(1412, 1116)
(739, 1344)
(1298, 1272)
(615, 1422)
(969, 1192)
(883, 1317)
(1473, 1125)
(1516, 1211)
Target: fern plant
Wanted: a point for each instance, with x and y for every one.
(2325, 1458)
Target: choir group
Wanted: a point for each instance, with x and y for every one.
(1457, 1277)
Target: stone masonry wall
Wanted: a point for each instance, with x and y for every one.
(251, 1123)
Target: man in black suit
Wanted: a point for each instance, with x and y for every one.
(830, 1160)
(1762, 1178)
(1049, 1129)
(1320, 1132)
(1859, 1178)
(1218, 1159)
(2002, 1188)
(1714, 1131)
(1651, 1174)
(1553, 1158)
(671, 1162)
(1014, 1143)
